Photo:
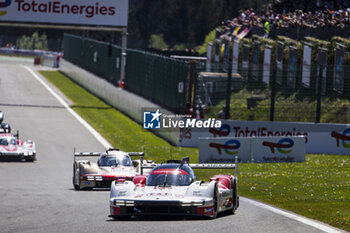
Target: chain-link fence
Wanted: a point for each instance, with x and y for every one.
(162, 80)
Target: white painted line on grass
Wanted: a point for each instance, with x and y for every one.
(98, 136)
(296, 217)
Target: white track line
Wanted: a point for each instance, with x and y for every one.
(106, 144)
(98, 136)
(296, 217)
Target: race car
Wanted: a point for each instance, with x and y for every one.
(111, 165)
(12, 148)
(172, 189)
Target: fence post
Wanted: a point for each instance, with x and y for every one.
(228, 91)
(123, 60)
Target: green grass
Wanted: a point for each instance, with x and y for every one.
(318, 188)
(16, 55)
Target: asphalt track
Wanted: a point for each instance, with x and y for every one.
(38, 197)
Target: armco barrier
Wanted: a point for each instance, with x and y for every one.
(123, 100)
(252, 149)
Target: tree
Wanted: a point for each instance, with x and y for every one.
(33, 42)
(157, 42)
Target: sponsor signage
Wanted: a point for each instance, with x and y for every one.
(322, 62)
(319, 138)
(252, 149)
(278, 149)
(245, 61)
(256, 60)
(306, 75)
(338, 80)
(292, 67)
(279, 63)
(235, 54)
(209, 51)
(224, 150)
(79, 12)
(267, 65)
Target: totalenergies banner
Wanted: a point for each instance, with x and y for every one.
(252, 149)
(319, 138)
(80, 12)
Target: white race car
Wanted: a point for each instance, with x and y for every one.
(111, 165)
(14, 149)
(172, 189)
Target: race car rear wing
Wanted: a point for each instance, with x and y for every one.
(202, 165)
(217, 166)
(91, 154)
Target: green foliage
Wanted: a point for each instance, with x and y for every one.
(202, 49)
(157, 42)
(180, 47)
(290, 42)
(33, 42)
(318, 188)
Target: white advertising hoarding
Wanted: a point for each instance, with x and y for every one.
(224, 150)
(267, 65)
(252, 149)
(278, 149)
(80, 12)
(235, 54)
(319, 138)
(306, 66)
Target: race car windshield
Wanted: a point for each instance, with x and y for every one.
(115, 161)
(168, 180)
(8, 142)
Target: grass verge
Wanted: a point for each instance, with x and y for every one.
(318, 188)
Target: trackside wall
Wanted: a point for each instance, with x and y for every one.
(123, 100)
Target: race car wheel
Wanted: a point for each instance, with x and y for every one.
(76, 187)
(235, 198)
(216, 201)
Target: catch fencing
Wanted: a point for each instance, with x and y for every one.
(160, 79)
(280, 81)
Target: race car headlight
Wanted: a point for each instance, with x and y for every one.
(129, 203)
(124, 203)
(197, 203)
(192, 203)
(98, 178)
(119, 203)
(90, 177)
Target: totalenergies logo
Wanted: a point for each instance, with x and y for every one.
(282, 145)
(342, 137)
(230, 147)
(4, 4)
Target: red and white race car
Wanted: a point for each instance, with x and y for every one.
(111, 165)
(14, 149)
(172, 189)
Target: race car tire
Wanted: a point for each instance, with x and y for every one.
(235, 199)
(216, 201)
(76, 187)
